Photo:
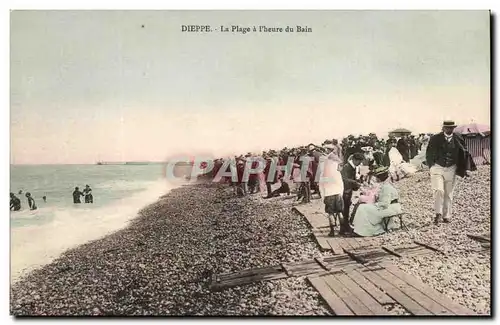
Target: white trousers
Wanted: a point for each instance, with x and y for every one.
(443, 180)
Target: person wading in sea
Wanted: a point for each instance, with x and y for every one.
(31, 201)
(76, 195)
(88, 194)
(15, 203)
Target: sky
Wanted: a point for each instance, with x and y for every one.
(131, 86)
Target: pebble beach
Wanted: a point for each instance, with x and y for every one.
(161, 264)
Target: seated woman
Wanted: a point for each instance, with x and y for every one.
(368, 218)
(368, 195)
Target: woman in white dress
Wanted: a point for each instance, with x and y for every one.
(368, 218)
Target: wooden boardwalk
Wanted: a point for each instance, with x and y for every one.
(314, 214)
(320, 228)
(365, 290)
(360, 280)
(350, 257)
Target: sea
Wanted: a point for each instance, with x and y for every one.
(40, 236)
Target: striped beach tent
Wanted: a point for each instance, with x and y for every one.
(477, 138)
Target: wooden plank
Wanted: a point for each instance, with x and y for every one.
(416, 295)
(376, 241)
(352, 241)
(336, 248)
(345, 264)
(429, 247)
(409, 249)
(359, 242)
(369, 287)
(301, 269)
(323, 264)
(249, 272)
(355, 257)
(310, 271)
(313, 214)
(321, 237)
(395, 293)
(323, 273)
(299, 265)
(337, 258)
(305, 211)
(373, 254)
(250, 278)
(334, 302)
(366, 242)
(341, 263)
(447, 302)
(480, 238)
(373, 305)
(285, 269)
(351, 301)
(344, 244)
(247, 280)
(363, 242)
(418, 252)
(391, 250)
(288, 270)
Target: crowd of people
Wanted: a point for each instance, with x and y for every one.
(385, 161)
(375, 153)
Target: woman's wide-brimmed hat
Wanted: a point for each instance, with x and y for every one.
(448, 123)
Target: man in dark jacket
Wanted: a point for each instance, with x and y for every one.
(350, 184)
(404, 148)
(447, 157)
(413, 146)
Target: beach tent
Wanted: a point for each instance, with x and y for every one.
(477, 138)
(399, 132)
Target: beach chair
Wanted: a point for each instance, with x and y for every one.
(386, 220)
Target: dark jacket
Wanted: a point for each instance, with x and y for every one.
(404, 149)
(464, 161)
(349, 178)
